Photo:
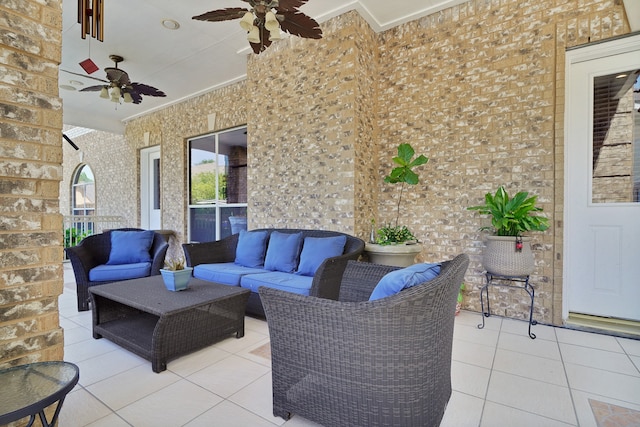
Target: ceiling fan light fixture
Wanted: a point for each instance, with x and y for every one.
(115, 94)
(127, 97)
(247, 21)
(271, 22)
(254, 35)
(274, 35)
(104, 92)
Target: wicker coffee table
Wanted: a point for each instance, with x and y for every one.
(142, 316)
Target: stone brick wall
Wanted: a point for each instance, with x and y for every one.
(30, 171)
(115, 163)
(479, 89)
(317, 131)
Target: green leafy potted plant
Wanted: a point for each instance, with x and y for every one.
(507, 251)
(396, 244)
(175, 275)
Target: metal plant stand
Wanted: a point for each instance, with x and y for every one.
(523, 283)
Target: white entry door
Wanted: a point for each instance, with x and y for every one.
(150, 188)
(602, 159)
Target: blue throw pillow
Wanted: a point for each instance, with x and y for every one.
(316, 249)
(130, 247)
(283, 251)
(397, 280)
(251, 248)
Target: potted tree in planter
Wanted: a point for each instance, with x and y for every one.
(396, 244)
(507, 252)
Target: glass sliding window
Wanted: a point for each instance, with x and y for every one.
(217, 185)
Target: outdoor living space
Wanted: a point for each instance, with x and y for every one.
(500, 377)
(494, 92)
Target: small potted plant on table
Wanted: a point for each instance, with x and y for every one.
(508, 252)
(175, 275)
(396, 244)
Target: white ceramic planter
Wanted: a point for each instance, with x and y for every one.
(397, 255)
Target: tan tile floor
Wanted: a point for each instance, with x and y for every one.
(500, 378)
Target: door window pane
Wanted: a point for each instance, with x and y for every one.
(616, 138)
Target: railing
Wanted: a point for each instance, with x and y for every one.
(77, 227)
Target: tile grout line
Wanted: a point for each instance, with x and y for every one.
(566, 377)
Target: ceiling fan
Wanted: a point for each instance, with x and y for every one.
(264, 20)
(118, 85)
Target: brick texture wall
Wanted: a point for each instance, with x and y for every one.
(478, 88)
(116, 178)
(30, 171)
(312, 144)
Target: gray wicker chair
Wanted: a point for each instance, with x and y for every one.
(354, 362)
(94, 250)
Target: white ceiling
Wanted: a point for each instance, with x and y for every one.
(196, 58)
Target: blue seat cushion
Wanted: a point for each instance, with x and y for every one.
(228, 273)
(251, 248)
(316, 249)
(397, 280)
(278, 280)
(283, 251)
(113, 273)
(130, 247)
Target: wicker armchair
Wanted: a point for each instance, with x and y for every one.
(355, 362)
(94, 250)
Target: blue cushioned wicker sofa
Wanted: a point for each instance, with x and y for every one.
(306, 262)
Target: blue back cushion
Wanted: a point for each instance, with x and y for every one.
(130, 247)
(283, 252)
(316, 249)
(251, 248)
(397, 280)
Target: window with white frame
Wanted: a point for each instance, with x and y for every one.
(217, 185)
(83, 192)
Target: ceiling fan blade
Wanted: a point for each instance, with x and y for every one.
(85, 76)
(144, 89)
(137, 99)
(290, 5)
(92, 88)
(301, 25)
(222, 14)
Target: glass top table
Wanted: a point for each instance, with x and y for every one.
(26, 390)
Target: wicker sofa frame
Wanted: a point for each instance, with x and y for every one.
(355, 362)
(326, 281)
(94, 250)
